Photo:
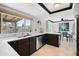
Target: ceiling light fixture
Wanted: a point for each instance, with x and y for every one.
(56, 4)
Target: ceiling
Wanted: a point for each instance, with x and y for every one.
(55, 7)
(28, 8)
(35, 9)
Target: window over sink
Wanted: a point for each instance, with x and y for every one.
(24, 25)
(14, 24)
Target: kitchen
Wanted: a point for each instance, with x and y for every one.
(25, 31)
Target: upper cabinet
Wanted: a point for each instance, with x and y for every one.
(14, 24)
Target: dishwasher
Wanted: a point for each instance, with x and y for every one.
(38, 42)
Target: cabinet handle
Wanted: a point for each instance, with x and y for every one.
(14, 42)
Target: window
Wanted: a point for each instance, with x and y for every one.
(24, 25)
(63, 27)
(15, 24)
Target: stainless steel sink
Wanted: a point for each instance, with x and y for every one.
(23, 35)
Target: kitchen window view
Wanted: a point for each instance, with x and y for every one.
(24, 25)
(12, 24)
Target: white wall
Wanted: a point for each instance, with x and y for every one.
(39, 27)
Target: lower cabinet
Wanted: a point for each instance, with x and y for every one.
(77, 53)
(28, 46)
(43, 39)
(77, 36)
(24, 47)
(21, 47)
(52, 40)
(32, 45)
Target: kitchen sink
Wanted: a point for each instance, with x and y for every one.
(23, 35)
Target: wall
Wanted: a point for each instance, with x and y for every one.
(39, 27)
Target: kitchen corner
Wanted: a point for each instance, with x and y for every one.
(8, 50)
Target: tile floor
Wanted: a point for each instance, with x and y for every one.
(48, 50)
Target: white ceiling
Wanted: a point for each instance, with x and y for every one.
(29, 8)
(32, 8)
(56, 6)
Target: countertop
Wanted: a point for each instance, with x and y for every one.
(8, 39)
(7, 50)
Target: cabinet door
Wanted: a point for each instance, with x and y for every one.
(14, 45)
(0, 23)
(52, 40)
(44, 38)
(23, 47)
(32, 45)
(77, 36)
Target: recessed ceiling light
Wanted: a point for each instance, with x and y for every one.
(56, 4)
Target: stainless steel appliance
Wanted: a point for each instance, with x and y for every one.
(38, 42)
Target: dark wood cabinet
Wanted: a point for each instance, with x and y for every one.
(77, 36)
(14, 45)
(44, 37)
(24, 47)
(0, 22)
(52, 40)
(21, 47)
(32, 45)
(27, 46)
